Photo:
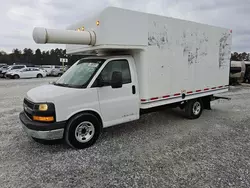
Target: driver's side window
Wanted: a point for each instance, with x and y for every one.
(115, 65)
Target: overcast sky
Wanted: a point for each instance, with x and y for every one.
(18, 17)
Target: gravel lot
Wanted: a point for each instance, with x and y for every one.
(160, 150)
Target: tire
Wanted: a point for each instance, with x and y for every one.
(16, 76)
(59, 75)
(90, 128)
(39, 76)
(193, 109)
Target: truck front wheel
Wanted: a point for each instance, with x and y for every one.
(193, 109)
(82, 131)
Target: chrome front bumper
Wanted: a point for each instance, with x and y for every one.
(41, 131)
(44, 135)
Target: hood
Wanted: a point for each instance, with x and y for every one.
(5, 70)
(12, 71)
(48, 93)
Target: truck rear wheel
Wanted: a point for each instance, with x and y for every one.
(193, 109)
(82, 131)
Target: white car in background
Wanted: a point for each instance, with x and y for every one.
(50, 68)
(57, 71)
(29, 72)
(10, 68)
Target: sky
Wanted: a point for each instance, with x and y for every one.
(19, 17)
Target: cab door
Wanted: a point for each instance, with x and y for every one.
(118, 105)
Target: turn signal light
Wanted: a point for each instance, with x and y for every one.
(97, 22)
(41, 118)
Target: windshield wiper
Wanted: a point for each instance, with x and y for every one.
(68, 85)
(60, 84)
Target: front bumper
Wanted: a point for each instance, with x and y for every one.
(8, 76)
(2, 75)
(44, 131)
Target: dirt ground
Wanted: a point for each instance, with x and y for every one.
(162, 149)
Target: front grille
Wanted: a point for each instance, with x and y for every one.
(29, 115)
(29, 103)
(28, 107)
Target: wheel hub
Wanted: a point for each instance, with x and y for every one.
(84, 131)
(196, 108)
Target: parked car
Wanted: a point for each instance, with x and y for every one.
(2, 65)
(28, 72)
(3, 70)
(57, 71)
(11, 68)
(49, 68)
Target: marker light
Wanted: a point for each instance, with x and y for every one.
(82, 28)
(97, 22)
(43, 107)
(41, 118)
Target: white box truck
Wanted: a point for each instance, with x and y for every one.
(136, 62)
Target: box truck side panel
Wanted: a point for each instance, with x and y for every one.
(116, 27)
(123, 27)
(184, 57)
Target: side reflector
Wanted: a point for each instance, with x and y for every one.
(46, 119)
(154, 98)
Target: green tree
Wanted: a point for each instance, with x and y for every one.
(16, 55)
(27, 55)
(38, 57)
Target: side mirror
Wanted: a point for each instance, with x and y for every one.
(116, 80)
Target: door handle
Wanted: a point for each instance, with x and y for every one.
(133, 89)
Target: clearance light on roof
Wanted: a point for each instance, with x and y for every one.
(80, 29)
(97, 22)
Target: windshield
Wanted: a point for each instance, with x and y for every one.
(80, 74)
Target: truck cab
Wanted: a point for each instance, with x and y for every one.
(96, 92)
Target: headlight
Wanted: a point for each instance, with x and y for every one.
(43, 107)
(44, 112)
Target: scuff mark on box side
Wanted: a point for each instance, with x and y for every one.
(224, 49)
(193, 42)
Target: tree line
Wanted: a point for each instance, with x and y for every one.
(28, 56)
(240, 56)
(52, 57)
